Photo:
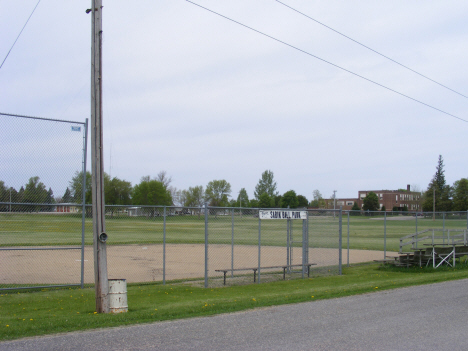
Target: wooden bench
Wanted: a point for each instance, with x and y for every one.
(255, 269)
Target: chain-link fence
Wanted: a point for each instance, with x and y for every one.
(41, 225)
(206, 246)
(380, 234)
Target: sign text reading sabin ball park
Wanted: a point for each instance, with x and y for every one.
(286, 214)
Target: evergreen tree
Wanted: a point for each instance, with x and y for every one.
(67, 196)
(355, 208)
(441, 190)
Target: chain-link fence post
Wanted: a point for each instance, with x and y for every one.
(232, 243)
(385, 236)
(443, 228)
(206, 244)
(348, 242)
(83, 200)
(259, 246)
(164, 246)
(340, 258)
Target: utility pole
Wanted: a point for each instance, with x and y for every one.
(99, 225)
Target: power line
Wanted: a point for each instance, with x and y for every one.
(375, 51)
(19, 34)
(328, 62)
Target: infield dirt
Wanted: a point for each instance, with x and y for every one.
(143, 263)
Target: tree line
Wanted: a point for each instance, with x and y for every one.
(154, 191)
(157, 191)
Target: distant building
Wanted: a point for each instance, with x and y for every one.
(388, 198)
(346, 204)
(67, 207)
(394, 198)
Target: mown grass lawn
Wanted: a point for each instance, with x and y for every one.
(364, 232)
(31, 313)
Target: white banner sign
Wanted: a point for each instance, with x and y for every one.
(282, 214)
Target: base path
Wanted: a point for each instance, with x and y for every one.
(142, 263)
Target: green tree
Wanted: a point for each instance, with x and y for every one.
(76, 187)
(355, 208)
(151, 193)
(254, 203)
(265, 201)
(266, 184)
(242, 199)
(290, 199)
(277, 201)
(117, 191)
(35, 192)
(67, 196)
(441, 190)
(217, 193)
(4, 196)
(303, 202)
(460, 195)
(193, 197)
(49, 199)
(371, 202)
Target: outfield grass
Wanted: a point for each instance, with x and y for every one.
(47, 311)
(65, 229)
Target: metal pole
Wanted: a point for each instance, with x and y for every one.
(83, 199)
(232, 244)
(385, 236)
(348, 239)
(304, 248)
(288, 259)
(443, 228)
(164, 247)
(259, 247)
(206, 244)
(340, 240)
(416, 227)
(99, 226)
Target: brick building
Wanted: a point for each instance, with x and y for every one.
(394, 198)
(388, 198)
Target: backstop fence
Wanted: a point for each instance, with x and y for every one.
(38, 155)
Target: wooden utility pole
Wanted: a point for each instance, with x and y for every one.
(99, 225)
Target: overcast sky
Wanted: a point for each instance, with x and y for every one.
(203, 98)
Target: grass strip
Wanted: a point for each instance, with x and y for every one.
(50, 311)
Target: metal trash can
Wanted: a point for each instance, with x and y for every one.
(118, 296)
